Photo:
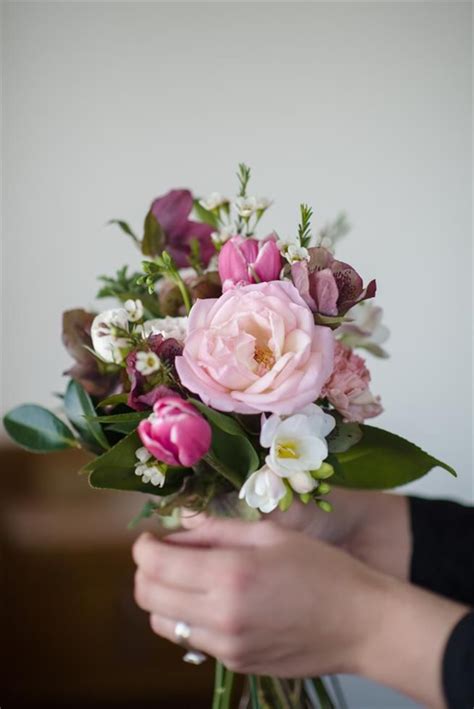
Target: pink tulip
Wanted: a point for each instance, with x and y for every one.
(244, 260)
(175, 433)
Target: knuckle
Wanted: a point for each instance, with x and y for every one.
(241, 574)
(231, 621)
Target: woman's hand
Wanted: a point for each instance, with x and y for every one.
(270, 601)
(372, 526)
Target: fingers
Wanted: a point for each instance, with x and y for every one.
(229, 533)
(181, 567)
(208, 641)
(191, 519)
(172, 603)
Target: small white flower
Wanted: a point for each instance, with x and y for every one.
(134, 309)
(108, 333)
(295, 252)
(246, 206)
(326, 243)
(263, 203)
(263, 490)
(297, 443)
(143, 454)
(220, 237)
(213, 201)
(168, 327)
(149, 473)
(147, 363)
(302, 482)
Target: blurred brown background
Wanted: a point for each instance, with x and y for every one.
(71, 634)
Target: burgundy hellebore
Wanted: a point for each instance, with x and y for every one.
(175, 433)
(243, 260)
(328, 286)
(172, 211)
(141, 396)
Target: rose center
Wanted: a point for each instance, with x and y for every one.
(287, 449)
(264, 358)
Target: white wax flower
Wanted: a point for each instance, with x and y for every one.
(143, 454)
(263, 203)
(263, 490)
(220, 237)
(150, 474)
(213, 201)
(294, 252)
(147, 363)
(134, 309)
(297, 443)
(108, 333)
(168, 327)
(246, 206)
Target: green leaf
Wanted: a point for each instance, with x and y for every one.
(153, 236)
(132, 417)
(225, 423)
(80, 411)
(329, 320)
(37, 429)
(113, 400)
(125, 228)
(204, 215)
(382, 460)
(236, 453)
(343, 436)
(115, 470)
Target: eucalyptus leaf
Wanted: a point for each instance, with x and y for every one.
(382, 460)
(80, 411)
(35, 428)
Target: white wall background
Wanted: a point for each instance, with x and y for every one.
(361, 106)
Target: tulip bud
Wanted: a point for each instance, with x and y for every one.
(243, 261)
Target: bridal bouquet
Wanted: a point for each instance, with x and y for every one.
(226, 379)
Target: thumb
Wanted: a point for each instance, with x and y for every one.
(229, 533)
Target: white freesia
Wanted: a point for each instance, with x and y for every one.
(213, 201)
(147, 363)
(134, 309)
(168, 327)
(364, 328)
(109, 335)
(263, 490)
(297, 443)
(302, 482)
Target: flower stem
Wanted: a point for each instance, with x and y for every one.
(184, 292)
(255, 703)
(223, 682)
(318, 686)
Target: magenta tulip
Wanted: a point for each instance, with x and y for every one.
(175, 433)
(244, 260)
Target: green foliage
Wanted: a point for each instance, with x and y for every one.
(204, 215)
(382, 460)
(343, 436)
(243, 176)
(126, 229)
(335, 230)
(115, 470)
(80, 411)
(153, 241)
(304, 227)
(223, 421)
(123, 286)
(148, 510)
(37, 429)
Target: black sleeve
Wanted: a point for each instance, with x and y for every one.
(458, 665)
(443, 548)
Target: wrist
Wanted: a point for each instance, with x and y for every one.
(405, 643)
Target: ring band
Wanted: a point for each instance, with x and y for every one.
(182, 633)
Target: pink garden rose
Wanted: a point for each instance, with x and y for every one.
(256, 349)
(244, 260)
(348, 387)
(175, 433)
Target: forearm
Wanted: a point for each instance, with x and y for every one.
(405, 645)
